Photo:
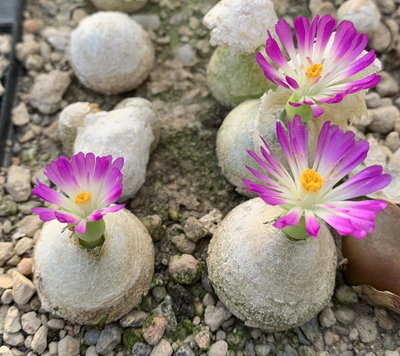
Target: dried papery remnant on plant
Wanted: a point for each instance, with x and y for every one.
(324, 63)
(308, 193)
(89, 185)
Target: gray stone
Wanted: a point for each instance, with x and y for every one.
(110, 337)
(185, 350)
(56, 324)
(23, 288)
(220, 348)
(388, 85)
(194, 229)
(6, 252)
(215, 316)
(187, 55)
(150, 22)
(163, 348)
(6, 297)
(183, 244)
(23, 245)
(383, 119)
(20, 115)
(384, 319)
(30, 322)
(39, 341)
(345, 315)
(19, 183)
(53, 348)
(134, 319)
(14, 339)
(372, 100)
(5, 351)
(29, 225)
(68, 346)
(141, 349)
(211, 220)
(327, 318)
(155, 227)
(366, 328)
(306, 351)
(91, 351)
(5, 282)
(392, 141)
(346, 295)
(12, 322)
(381, 39)
(91, 337)
(48, 90)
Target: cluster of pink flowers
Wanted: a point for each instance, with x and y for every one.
(320, 69)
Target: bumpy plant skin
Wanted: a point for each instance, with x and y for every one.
(101, 285)
(234, 78)
(265, 279)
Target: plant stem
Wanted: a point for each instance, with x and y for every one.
(94, 235)
(304, 111)
(298, 232)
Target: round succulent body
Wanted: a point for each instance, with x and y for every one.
(265, 279)
(111, 53)
(98, 285)
(234, 78)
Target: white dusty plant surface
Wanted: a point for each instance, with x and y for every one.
(183, 199)
(98, 286)
(70, 119)
(111, 53)
(121, 133)
(264, 279)
(241, 25)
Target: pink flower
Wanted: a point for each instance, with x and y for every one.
(323, 62)
(89, 184)
(313, 192)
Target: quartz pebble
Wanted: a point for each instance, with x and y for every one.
(6, 251)
(68, 346)
(39, 341)
(23, 288)
(48, 90)
(220, 348)
(383, 118)
(163, 348)
(364, 14)
(20, 115)
(366, 328)
(25, 266)
(12, 323)
(19, 183)
(30, 322)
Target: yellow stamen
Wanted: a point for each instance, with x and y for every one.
(314, 71)
(83, 198)
(311, 181)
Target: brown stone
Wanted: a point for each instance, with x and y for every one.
(374, 260)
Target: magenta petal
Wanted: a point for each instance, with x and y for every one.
(47, 194)
(292, 218)
(317, 111)
(312, 225)
(81, 227)
(45, 214)
(66, 217)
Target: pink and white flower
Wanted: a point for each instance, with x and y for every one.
(312, 192)
(89, 184)
(323, 62)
